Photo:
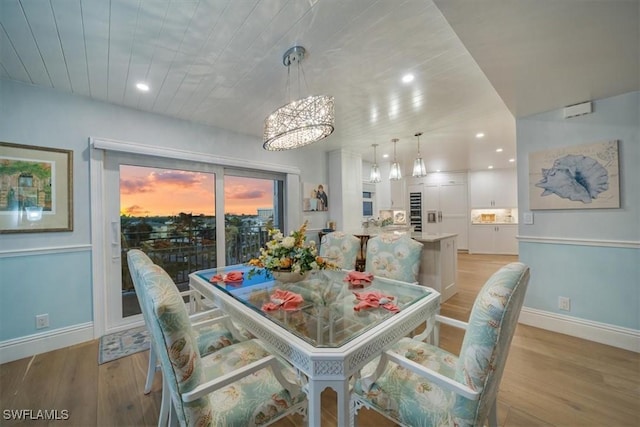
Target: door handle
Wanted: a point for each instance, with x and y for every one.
(439, 216)
(115, 239)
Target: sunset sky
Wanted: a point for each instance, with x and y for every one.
(160, 192)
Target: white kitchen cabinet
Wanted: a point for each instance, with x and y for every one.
(496, 188)
(399, 196)
(493, 239)
(448, 202)
(444, 205)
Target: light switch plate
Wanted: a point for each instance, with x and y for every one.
(527, 218)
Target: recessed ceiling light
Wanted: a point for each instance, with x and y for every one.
(142, 87)
(490, 167)
(407, 78)
(386, 156)
(437, 170)
(512, 160)
(498, 150)
(480, 135)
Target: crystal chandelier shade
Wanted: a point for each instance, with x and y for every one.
(395, 173)
(375, 176)
(419, 168)
(300, 122)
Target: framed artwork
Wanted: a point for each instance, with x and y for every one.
(36, 189)
(393, 217)
(315, 197)
(579, 177)
(400, 217)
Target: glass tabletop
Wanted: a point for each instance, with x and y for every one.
(323, 309)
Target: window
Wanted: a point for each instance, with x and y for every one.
(368, 200)
(367, 208)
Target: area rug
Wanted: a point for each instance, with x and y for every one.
(121, 344)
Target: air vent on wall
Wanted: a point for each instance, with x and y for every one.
(577, 109)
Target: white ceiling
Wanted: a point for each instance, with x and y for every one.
(477, 64)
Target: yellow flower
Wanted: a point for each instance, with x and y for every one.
(285, 263)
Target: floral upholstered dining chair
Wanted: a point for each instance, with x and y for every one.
(415, 383)
(341, 249)
(239, 385)
(213, 331)
(394, 256)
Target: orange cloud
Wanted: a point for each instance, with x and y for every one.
(181, 179)
(134, 210)
(135, 186)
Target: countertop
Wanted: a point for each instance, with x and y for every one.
(431, 237)
(494, 223)
(374, 231)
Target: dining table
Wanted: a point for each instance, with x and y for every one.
(327, 323)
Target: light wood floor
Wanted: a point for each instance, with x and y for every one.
(550, 379)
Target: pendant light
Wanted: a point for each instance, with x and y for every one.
(395, 173)
(374, 178)
(419, 169)
(300, 122)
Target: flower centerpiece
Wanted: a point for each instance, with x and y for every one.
(289, 254)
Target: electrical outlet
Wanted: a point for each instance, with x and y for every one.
(42, 321)
(564, 303)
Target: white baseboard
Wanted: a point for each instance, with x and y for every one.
(45, 341)
(616, 336)
(625, 338)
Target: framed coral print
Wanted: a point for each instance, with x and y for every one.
(36, 189)
(579, 177)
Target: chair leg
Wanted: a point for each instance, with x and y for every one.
(493, 414)
(165, 405)
(173, 417)
(151, 370)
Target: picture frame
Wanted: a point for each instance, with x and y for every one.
(36, 189)
(583, 176)
(315, 197)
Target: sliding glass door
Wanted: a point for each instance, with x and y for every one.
(253, 203)
(167, 208)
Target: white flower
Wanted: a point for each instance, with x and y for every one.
(277, 236)
(288, 242)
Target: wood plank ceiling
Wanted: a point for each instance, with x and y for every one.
(219, 63)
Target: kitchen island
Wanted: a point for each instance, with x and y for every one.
(439, 262)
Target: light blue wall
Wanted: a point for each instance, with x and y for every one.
(603, 281)
(60, 284)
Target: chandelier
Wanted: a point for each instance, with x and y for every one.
(299, 122)
(395, 173)
(375, 170)
(419, 169)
